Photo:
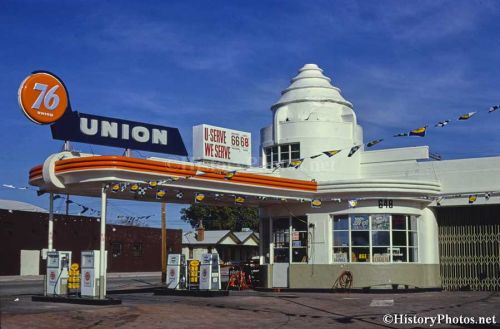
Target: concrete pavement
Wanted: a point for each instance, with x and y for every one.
(250, 309)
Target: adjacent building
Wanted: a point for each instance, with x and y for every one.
(232, 247)
(23, 236)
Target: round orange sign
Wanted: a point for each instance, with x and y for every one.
(43, 98)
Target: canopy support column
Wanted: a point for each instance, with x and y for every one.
(102, 249)
(50, 246)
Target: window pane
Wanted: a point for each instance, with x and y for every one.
(360, 238)
(412, 239)
(399, 254)
(381, 238)
(380, 222)
(267, 151)
(341, 238)
(295, 147)
(399, 238)
(398, 222)
(360, 254)
(381, 255)
(137, 249)
(340, 223)
(340, 255)
(413, 255)
(275, 153)
(295, 155)
(359, 222)
(281, 255)
(299, 255)
(299, 223)
(299, 239)
(413, 223)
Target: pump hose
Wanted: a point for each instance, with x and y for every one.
(57, 281)
(344, 280)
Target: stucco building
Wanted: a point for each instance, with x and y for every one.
(392, 217)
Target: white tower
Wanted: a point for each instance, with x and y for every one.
(314, 114)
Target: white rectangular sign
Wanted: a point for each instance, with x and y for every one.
(222, 145)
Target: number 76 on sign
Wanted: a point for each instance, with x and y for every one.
(43, 97)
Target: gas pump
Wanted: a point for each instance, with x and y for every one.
(176, 271)
(58, 263)
(210, 272)
(90, 273)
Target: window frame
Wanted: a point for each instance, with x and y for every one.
(408, 248)
(273, 154)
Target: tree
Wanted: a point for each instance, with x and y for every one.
(221, 218)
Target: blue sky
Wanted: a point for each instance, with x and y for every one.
(181, 63)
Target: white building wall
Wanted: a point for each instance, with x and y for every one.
(428, 242)
(320, 242)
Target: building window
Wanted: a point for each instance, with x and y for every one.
(116, 249)
(380, 238)
(299, 240)
(281, 240)
(137, 249)
(281, 155)
(191, 253)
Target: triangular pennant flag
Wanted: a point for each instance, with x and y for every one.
(316, 203)
(466, 116)
(276, 167)
(296, 163)
(442, 123)
(123, 187)
(315, 156)
(134, 187)
(115, 188)
(374, 142)
(239, 200)
(199, 173)
(420, 132)
(472, 198)
(401, 135)
(493, 108)
(199, 197)
(353, 203)
(331, 153)
(353, 150)
(179, 195)
(160, 194)
(141, 191)
(230, 174)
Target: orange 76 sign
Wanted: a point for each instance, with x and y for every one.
(43, 98)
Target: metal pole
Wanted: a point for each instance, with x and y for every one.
(102, 249)
(51, 221)
(163, 242)
(67, 204)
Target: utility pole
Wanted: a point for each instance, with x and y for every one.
(163, 242)
(67, 204)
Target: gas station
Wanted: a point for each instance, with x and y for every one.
(328, 206)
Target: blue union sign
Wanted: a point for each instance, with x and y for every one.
(93, 129)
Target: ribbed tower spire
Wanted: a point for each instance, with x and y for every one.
(311, 85)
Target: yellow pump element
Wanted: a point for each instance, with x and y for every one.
(74, 276)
